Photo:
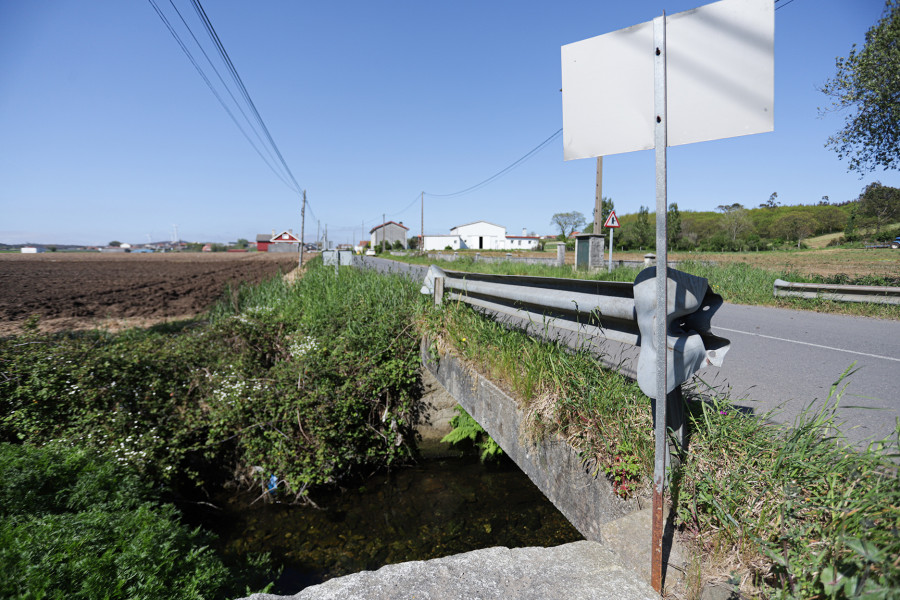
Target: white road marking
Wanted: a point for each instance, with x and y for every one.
(772, 337)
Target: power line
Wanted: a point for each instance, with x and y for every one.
(212, 88)
(256, 123)
(783, 4)
(216, 71)
(237, 78)
(501, 172)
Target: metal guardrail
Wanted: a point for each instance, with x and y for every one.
(596, 308)
(839, 293)
(599, 309)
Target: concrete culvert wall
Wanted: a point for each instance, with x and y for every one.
(555, 467)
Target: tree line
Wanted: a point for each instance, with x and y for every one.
(872, 217)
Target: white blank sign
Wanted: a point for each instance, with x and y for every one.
(721, 80)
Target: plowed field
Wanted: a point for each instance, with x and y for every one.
(85, 290)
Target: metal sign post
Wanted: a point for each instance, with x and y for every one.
(719, 82)
(659, 467)
(612, 223)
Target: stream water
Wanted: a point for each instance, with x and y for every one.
(440, 507)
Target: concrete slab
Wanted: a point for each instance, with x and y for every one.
(578, 571)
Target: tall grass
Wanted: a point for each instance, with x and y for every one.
(786, 511)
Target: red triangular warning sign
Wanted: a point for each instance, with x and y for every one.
(611, 220)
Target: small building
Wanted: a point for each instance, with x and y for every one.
(389, 232)
(31, 250)
(263, 240)
(285, 241)
(481, 235)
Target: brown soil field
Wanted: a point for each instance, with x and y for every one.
(115, 291)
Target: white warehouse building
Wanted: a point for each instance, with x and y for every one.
(481, 235)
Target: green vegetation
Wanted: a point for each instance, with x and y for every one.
(791, 510)
(866, 82)
(309, 382)
(466, 429)
(736, 282)
(77, 524)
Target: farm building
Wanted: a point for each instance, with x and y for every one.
(389, 232)
(285, 241)
(31, 250)
(481, 235)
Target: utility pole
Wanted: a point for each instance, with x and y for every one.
(318, 245)
(382, 231)
(302, 226)
(598, 198)
(422, 237)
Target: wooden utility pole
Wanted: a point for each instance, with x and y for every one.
(302, 226)
(382, 231)
(421, 247)
(598, 198)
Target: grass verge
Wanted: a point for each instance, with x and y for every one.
(736, 282)
(782, 512)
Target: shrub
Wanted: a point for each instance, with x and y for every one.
(79, 525)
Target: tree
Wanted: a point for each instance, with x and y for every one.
(413, 243)
(880, 203)
(771, 202)
(606, 206)
(868, 83)
(795, 227)
(643, 230)
(850, 233)
(398, 245)
(735, 220)
(567, 222)
(242, 243)
(673, 225)
(115, 243)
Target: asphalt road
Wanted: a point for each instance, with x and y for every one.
(783, 361)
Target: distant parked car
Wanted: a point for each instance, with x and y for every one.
(370, 252)
(896, 243)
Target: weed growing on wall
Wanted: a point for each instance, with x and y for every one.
(467, 429)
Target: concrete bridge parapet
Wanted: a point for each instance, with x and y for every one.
(553, 465)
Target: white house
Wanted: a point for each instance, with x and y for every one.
(481, 235)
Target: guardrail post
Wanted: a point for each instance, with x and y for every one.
(438, 291)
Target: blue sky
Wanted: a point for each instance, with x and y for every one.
(108, 132)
